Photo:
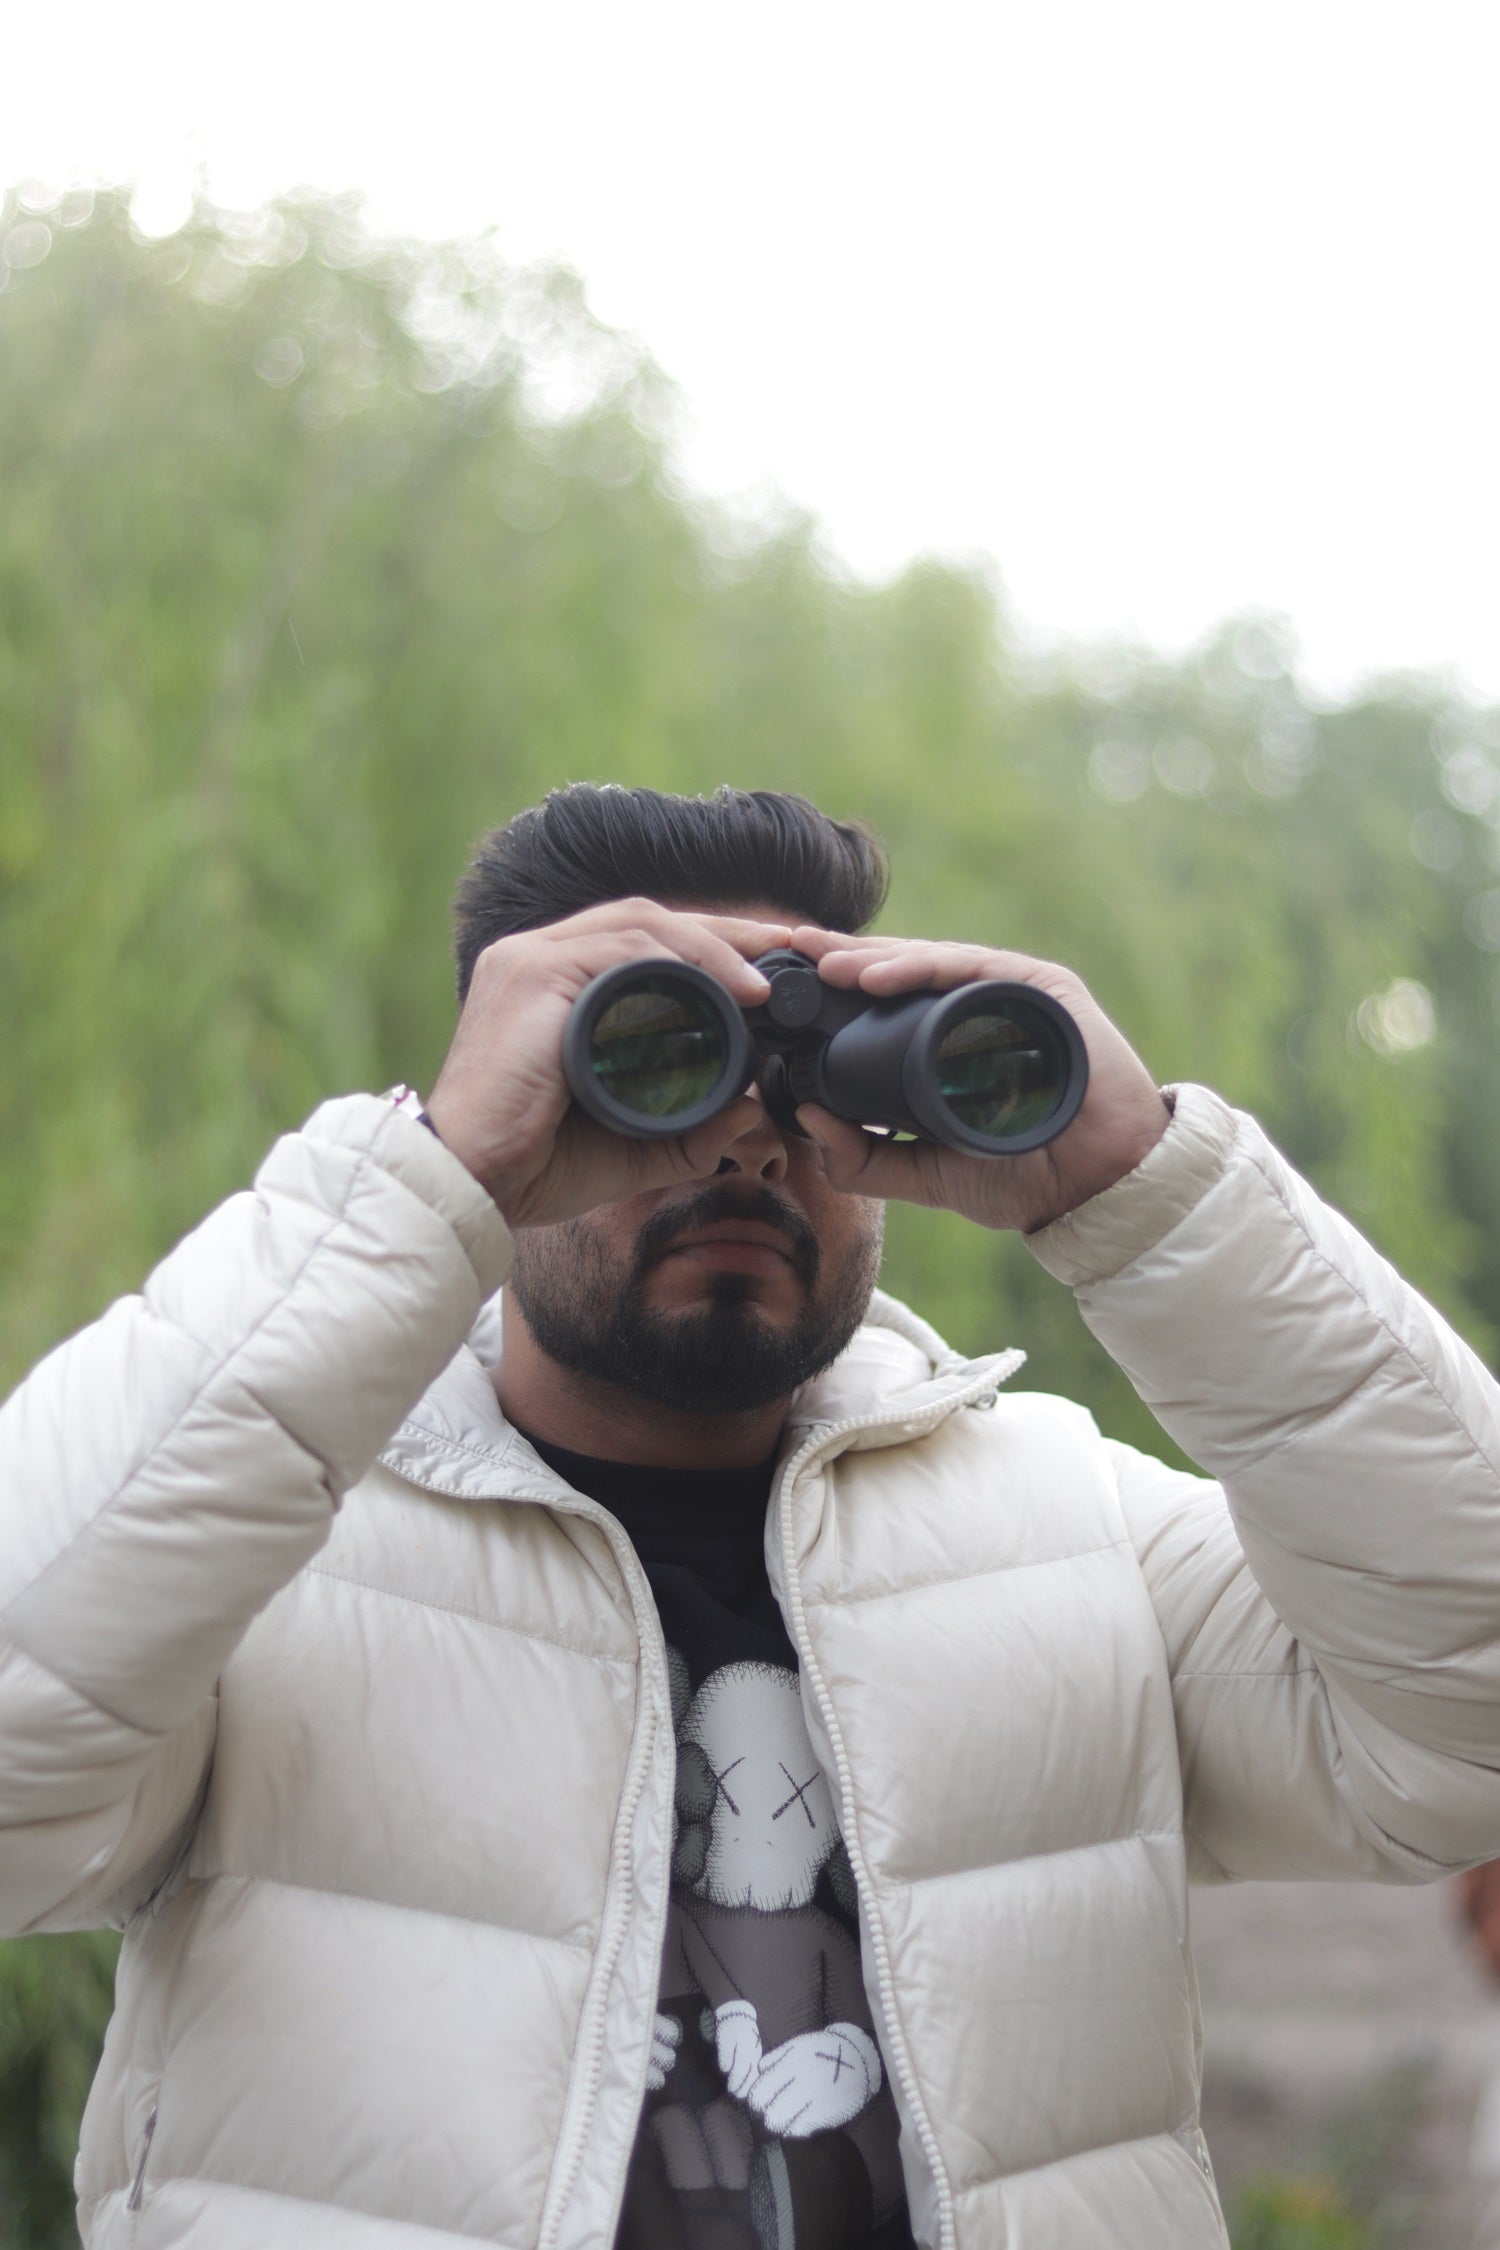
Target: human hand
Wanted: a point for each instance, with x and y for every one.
(1122, 1117)
(501, 1102)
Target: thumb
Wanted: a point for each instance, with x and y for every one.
(844, 1148)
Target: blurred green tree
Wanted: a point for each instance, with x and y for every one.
(1294, 2214)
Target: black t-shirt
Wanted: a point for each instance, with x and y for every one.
(768, 2122)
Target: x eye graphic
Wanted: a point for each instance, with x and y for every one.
(724, 1793)
(798, 1796)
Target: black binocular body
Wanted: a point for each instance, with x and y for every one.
(653, 1048)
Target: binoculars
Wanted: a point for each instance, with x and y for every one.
(653, 1048)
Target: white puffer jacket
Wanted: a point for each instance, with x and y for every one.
(382, 1790)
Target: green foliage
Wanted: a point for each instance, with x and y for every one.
(1295, 2214)
(54, 1997)
(321, 554)
(1354, 2178)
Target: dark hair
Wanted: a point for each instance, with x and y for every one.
(595, 841)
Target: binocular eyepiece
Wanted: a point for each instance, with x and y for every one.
(653, 1048)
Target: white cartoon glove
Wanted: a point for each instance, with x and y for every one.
(737, 2038)
(816, 2081)
(666, 2037)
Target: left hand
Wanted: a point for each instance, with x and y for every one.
(1122, 1118)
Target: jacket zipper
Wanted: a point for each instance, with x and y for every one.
(897, 2053)
(138, 2184)
(568, 2159)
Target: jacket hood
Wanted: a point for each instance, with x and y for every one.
(894, 1371)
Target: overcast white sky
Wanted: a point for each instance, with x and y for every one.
(1174, 309)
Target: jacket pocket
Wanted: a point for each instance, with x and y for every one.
(134, 2200)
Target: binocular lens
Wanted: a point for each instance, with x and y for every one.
(659, 1049)
(1002, 1071)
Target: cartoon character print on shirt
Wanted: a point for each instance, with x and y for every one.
(771, 2122)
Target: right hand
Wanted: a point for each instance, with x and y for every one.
(666, 2038)
(737, 2041)
(501, 1102)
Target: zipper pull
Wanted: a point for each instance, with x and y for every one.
(138, 2184)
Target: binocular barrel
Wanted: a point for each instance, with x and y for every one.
(653, 1048)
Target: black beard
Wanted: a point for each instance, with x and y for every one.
(723, 1357)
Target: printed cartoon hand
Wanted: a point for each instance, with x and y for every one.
(737, 2037)
(666, 2037)
(816, 2081)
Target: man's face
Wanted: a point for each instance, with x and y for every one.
(715, 1298)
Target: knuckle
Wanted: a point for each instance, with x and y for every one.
(615, 917)
(648, 912)
(630, 907)
(490, 961)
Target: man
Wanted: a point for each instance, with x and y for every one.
(702, 1764)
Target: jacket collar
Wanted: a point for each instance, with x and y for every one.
(896, 1371)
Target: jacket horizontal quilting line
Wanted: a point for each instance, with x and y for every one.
(223, 2215)
(1154, 2191)
(395, 2077)
(82, 1795)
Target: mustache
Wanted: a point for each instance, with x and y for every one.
(720, 1201)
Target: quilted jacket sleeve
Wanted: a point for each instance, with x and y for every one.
(167, 1471)
(1331, 1606)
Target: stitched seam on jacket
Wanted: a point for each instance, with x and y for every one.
(1398, 1343)
(139, 1468)
(1191, 1836)
(149, 1735)
(440, 1438)
(1297, 1672)
(1172, 2133)
(316, 2203)
(961, 1578)
(452, 1609)
(1385, 1374)
(1029, 1859)
(580, 1946)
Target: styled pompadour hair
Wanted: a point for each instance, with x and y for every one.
(591, 842)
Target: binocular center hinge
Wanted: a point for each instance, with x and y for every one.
(795, 999)
(803, 1079)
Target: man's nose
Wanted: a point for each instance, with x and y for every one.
(760, 1152)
